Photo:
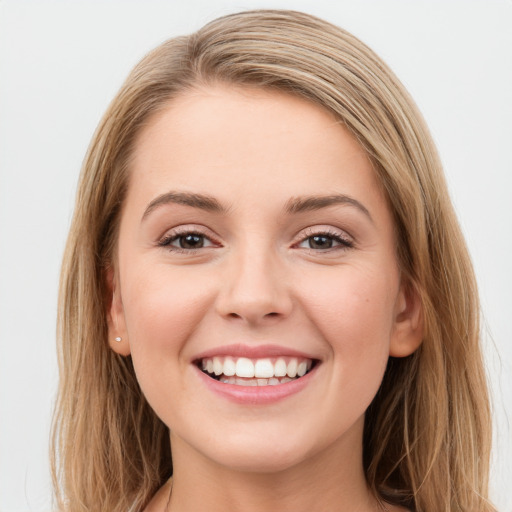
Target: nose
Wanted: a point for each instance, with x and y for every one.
(254, 290)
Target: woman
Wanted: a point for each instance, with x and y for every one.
(265, 292)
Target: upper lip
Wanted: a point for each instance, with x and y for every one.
(252, 352)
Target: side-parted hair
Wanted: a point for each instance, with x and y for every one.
(427, 432)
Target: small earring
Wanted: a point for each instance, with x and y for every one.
(118, 339)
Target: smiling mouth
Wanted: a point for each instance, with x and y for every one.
(242, 371)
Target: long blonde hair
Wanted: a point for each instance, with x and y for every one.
(427, 432)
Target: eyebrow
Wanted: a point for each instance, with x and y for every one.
(201, 201)
(310, 203)
(293, 205)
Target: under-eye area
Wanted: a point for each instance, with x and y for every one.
(268, 371)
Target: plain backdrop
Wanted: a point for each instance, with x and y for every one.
(62, 62)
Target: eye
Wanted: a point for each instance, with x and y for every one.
(324, 241)
(190, 241)
(185, 241)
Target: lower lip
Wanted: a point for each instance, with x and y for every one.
(257, 395)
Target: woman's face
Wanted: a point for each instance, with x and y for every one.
(256, 243)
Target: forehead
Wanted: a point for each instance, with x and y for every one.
(251, 142)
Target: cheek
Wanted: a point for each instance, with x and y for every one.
(354, 313)
(162, 309)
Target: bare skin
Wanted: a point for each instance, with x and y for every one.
(258, 263)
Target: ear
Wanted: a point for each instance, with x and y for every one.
(407, 333)
(117, 334)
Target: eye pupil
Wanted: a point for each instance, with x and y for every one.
(320, 242)
(191, 241)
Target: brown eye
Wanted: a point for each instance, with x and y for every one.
(325, 241)
(320, 242)
(190, 241)
(185, 241)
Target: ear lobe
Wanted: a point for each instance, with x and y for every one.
(117, 335)
(407, 333)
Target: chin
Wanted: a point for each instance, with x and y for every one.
(244, 449)
(260, 460)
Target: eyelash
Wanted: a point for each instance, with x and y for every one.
(344, 242)
(167, 240)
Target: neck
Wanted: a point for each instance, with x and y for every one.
(332, 479)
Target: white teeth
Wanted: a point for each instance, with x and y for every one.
(264, 372)
(291, 369)
(244, 367)
(246, 382)
(264, 368)
(229, 367)
(280, 368)
(217, 366)
(240, 381)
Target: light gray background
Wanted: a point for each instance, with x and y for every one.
(62, 62)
